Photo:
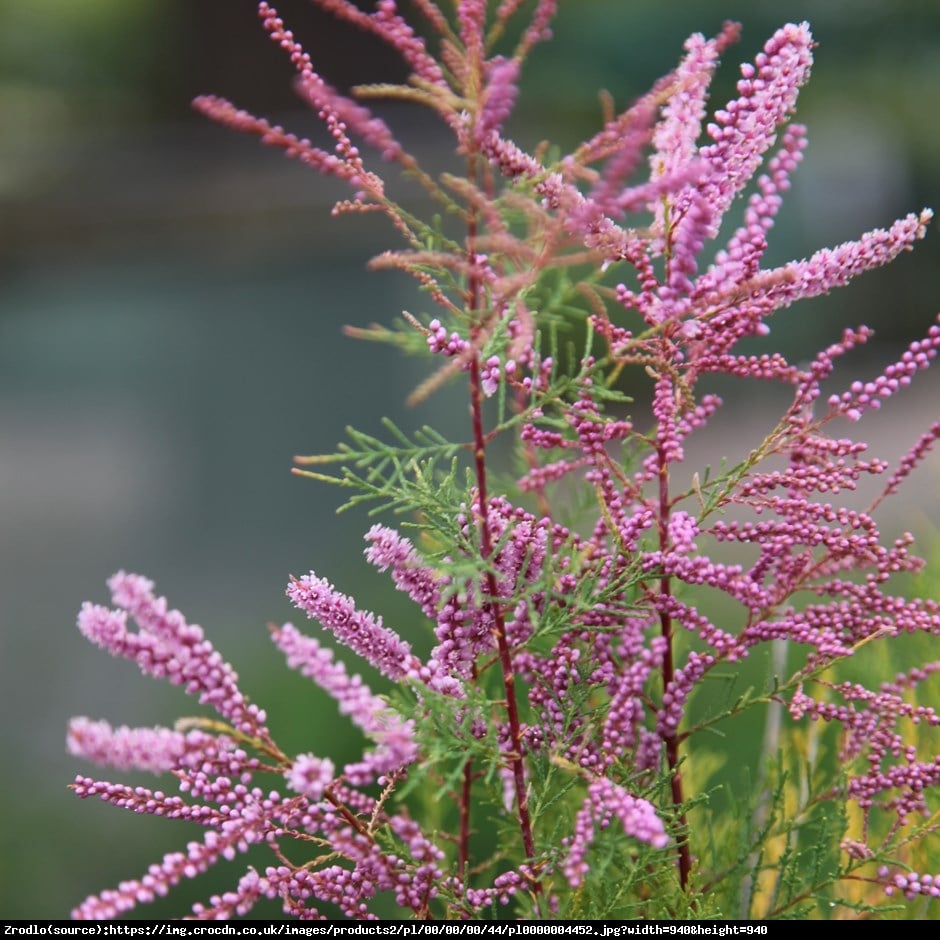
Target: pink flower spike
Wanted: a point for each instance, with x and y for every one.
(170, 871)
(912, 459)
(361, 631)
(835, 267)
(156, 750)
(606, 799)
(169, 647)
(388, 549)
(394, 737)
(676, 135)
(499, 96)
(539, 28)
(863, 396)
(740, 260)
(471, 20)
(386, 23)
(224, 112)
(747, 127)
(358, 119)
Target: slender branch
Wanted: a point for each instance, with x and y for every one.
(671, 740)
(486, 547)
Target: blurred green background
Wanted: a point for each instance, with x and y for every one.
(171, 300)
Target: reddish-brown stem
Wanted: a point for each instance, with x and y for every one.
(348, 815)
(499, 623)
(486, 548)
(671, 740)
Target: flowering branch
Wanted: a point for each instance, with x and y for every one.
(585, 611)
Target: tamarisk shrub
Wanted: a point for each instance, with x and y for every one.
(588, 608)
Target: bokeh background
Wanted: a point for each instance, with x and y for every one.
(171, 304)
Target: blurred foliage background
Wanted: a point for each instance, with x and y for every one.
(171, 299)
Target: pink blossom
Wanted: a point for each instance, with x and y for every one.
(606, 800)
(393, 736)
(166, 646)
(361, 631)
(156, 750)
(310, 775)
(387, 549)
